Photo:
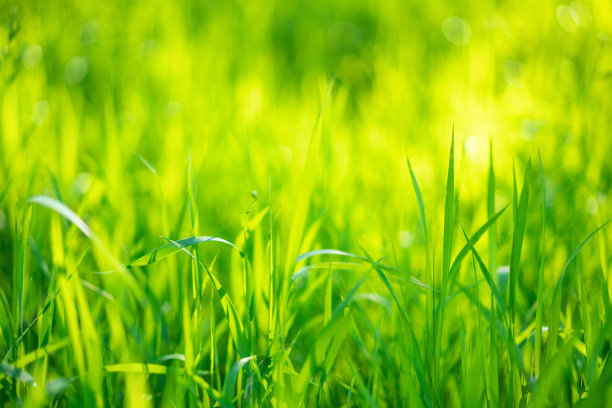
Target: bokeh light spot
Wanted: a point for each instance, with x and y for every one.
(567, 19)
(90, 33)
(406, 238)
(40, 112)
(457, 30)
(513, 71)
(32, 56)
(75, 70)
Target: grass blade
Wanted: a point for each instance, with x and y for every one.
(487, 276)
(493, 348)
(447, 247)
(540, 296)
(474, 239)
(236, 327)
(232, 376)
(517, 244)
(167, 250)
(419, 197)
(553, 331)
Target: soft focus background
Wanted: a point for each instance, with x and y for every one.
(104, 105)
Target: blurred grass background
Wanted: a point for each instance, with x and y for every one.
(89, 87)
(240, 85)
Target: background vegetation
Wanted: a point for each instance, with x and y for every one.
(283, 128)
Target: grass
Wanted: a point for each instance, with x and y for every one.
(309, 204)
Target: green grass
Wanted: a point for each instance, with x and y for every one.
(305, 204)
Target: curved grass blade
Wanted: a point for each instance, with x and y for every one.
(63, 210)
(324, 339)
(232, 377)
(474, 240)
(324, 265)
(167, 250)
(310, 254)
(45, 308)
(415, 354)
(236, 327)
(393, 271)
(556, 299)
(174, 356)
(487, 276)
(40, 352)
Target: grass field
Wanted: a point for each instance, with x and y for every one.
(309, 203)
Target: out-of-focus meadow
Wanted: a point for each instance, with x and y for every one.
(284, 128)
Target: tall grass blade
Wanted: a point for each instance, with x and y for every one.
(540, 305)
(553, 331)
(493, 347)
(447, 247)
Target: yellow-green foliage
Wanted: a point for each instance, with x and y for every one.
(305, 203)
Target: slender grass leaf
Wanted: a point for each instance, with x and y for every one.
(232, 377)
(487, 276)
(419, 197)
(553, 331)
(493, 348)
(393, 271)
(517, 244)
(474, 240)
(167, 250)
(236, 327)
(540, 295)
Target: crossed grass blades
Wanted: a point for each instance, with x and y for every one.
(317, 328)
